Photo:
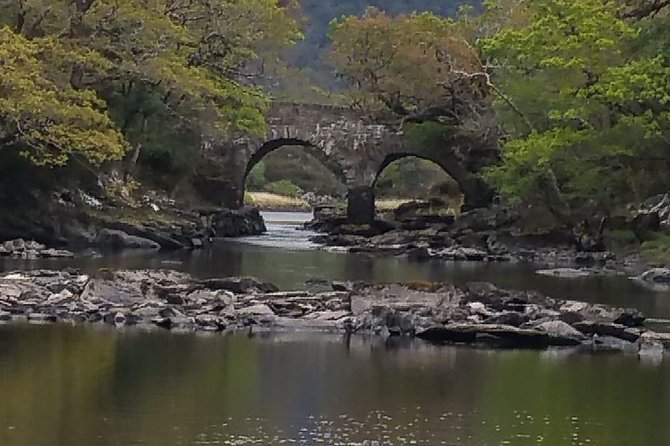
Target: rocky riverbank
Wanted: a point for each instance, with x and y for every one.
(75, 220)
(496, 234)
(478, 313)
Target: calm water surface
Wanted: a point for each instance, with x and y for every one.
(81, 386)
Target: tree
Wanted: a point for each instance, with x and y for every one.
(595, 128)
(416, 66)
(40, 112)
(184, 58)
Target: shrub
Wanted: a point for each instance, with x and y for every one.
(256, 178)
(283, 187)
(657, 250)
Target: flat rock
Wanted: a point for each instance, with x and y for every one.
(56, 253)
(608, 329)
(256, 310)
(559, 329)
(239, 285)
(328, 315)
(497, 335)
(602, 313)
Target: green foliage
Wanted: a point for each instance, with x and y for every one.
(406, 64)
(598, 107)
(416, 178)
(42, 114)
(283, 187)
(256, 178)
(101, 76)
(621, 240)
(320, 13)
(426, 135)
(297, 165)
(657, 250)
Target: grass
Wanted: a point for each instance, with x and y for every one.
(269, 201)
(390, 204)
(621, 240)
(657, 249)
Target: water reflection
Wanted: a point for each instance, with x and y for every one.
(74, 387)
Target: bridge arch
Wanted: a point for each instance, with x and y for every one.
(352, 145)
(317, 152)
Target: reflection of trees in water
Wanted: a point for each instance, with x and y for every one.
(53, 381)
(569, 399)
(68, 386)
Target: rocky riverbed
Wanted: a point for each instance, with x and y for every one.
(478, 313)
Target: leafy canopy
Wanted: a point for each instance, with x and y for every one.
(409, 64)
(76, 57)
(596, 108)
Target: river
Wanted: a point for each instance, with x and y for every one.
(80, 386)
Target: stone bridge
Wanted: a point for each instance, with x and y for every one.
(354, 147)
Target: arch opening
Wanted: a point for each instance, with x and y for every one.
(416, 183)
(291, 174)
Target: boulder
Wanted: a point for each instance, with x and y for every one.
(256, 310)
(117, 239)
(560, 329)
(610, 344)
(218, 297)
(653, 215)
(458, 253)
(600, 313)
(16, 245)
(651, 349)
(503, 336)
(238, 222)
(652, 337)
(657, 279)
(125, 288)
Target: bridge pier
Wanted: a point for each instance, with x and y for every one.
(476, 193)
(361, 205)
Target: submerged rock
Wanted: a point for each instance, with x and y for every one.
(568, 273)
